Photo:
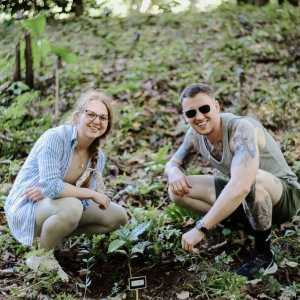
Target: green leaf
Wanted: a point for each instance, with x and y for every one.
(122, 251)
(65, 55)
(292, 264)
(226, 231)
(40, 48)
(146, 189)
(139, 229)
(114, 245)
(36, 26)
(140, 247)
(123, 233)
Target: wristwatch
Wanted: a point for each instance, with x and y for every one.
(200, 226)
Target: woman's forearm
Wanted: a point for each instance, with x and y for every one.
(78, 192)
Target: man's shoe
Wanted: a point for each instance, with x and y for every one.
(48, 263)
(255, 263)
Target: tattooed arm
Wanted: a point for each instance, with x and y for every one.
(179, 184)
(244, 167)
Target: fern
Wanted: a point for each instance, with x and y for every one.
(179, 214)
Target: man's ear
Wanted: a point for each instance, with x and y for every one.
(185, 117)
(217, 106)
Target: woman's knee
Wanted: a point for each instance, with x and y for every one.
(70, 209)
(122, 217)
(119, 217)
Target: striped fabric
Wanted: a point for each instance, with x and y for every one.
(46, 166)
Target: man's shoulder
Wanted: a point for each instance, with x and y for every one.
(246, 121)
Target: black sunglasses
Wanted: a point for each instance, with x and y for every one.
(192, 112)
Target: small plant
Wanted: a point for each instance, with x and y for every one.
(274, 286)
(86, 273)
(158, 160)
(127, 238)
(179, 214)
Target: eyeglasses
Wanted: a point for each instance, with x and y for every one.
(191, 113)
(91, 116)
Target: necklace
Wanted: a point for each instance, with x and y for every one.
(214, 144)
(80, 158)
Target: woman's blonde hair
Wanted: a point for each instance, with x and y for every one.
(79, 106)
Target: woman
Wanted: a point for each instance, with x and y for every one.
(59, 190)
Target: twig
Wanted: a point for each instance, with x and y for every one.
(129, 267)
(206, 294)
(218, 245)
(161, 203)
(145, 268)
(5, 85)
(287, 276)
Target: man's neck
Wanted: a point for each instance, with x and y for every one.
(216, 134)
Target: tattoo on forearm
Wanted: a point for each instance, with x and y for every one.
(187, 148)
(242, 142)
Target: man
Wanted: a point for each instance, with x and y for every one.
(261, 189)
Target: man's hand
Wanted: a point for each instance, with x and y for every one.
(192, 238)
(101, 199)
(179, 183)
(33, 194)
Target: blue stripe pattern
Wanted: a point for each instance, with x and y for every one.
(46, 166)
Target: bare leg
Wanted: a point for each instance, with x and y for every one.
(55, 219)
(201, 197)
(97, 221)
(265, 193)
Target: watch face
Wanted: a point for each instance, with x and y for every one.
(199, 224)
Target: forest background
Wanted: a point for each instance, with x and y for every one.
(143, 53)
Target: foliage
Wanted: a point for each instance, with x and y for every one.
(145, 80)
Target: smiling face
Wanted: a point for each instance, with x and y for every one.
(205, 124)
(90, 130)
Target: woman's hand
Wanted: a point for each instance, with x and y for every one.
(101, 199)
(33, 194)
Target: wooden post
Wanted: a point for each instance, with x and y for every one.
(29, 61)
(58, 65)
(17, 65)
(261, 2)
(137, 294)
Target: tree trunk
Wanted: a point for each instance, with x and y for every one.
(17, 65)
(193, 6)
(261, 2)
(292, 2)
(78, 7)
(245, 2)
(29, 61)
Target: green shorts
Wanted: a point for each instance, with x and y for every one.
(283, 210)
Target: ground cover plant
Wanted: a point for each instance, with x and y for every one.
(144, 61)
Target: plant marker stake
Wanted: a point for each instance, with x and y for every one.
(136, 283)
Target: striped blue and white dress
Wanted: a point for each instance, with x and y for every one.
(46, 167)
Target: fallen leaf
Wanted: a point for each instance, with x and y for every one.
(136, 124)
(183, 295)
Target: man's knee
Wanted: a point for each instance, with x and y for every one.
(175, 198)
(257, 191)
